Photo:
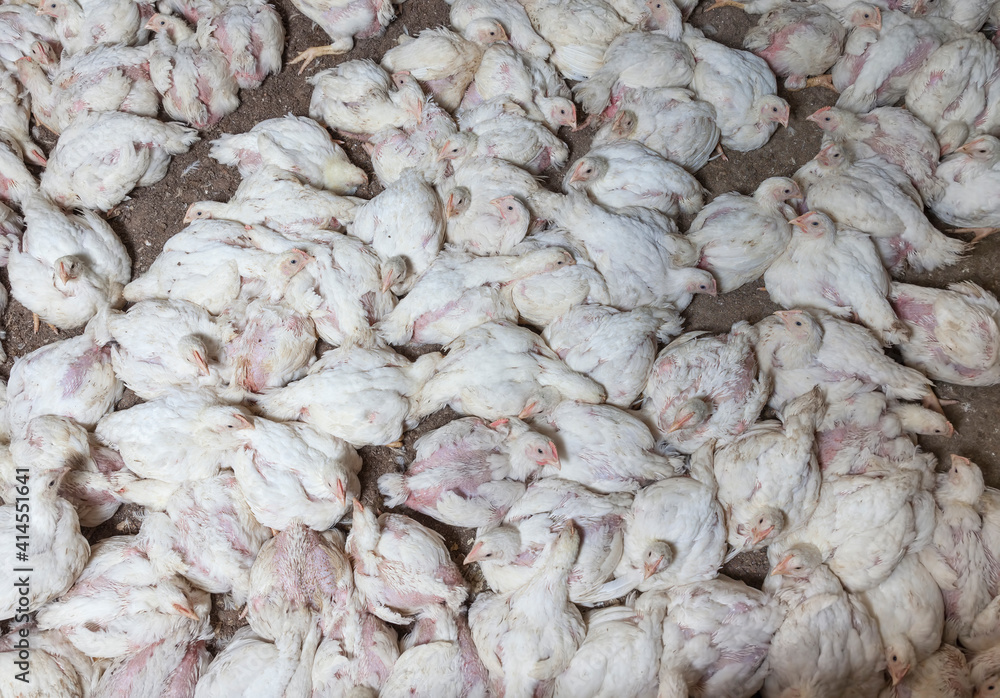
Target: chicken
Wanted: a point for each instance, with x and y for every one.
(192, 75)
(100, 158)
(944, 673)
(880, 74)
(579, 32)
(631, 630)
(501, 129)
(445, 62)
(742, 89)
(67, 267)
(469, 473)
(950, 101)
(236, 669)
(251, 37)
(603, 448)
(364, 396)
(511, 554)
(499, 370)
(359, 98)
(970, 176)
(528, 81)
(527, 638)
(637, 252)
(675, 533)
(80, 366)
(417, 146)
(626, 173)
(836, 270)
(769, 477)
(861, 541)
(173, 664)
(492, 178)
(962, 566)
(438, 660)
(876, 197)
(208, 534)
(891, 134)
(42, 533)
(119, 604)
(20, 27)
(159, 346)
(954, 332)
(512, 18)
(343, 21)
(485, 227)
(16, 182)
(406, 220)
(14, 118)
(460, 291)
(278, 200)
(401, 568)
(294, 473)
(827, 643)
(909, 610)
(615, 348)
(300, 578)
(985, 672)
(800, 349)
(705, 388)
(55, 668)
(738, 236)
(212, 263)
(295, 144)
(716, 638)
(801, 42)
(102, 78)
(636, 60)
(669, 121)
(274, 346)
(82, 24)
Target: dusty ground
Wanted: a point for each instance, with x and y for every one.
(153, 214)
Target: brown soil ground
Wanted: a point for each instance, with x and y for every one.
(155, 213)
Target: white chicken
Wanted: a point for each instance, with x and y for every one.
(460, 291)
(295, 144)
(615, 348)
(498, 370)
(101, 157)
(876, 197)
(510, 15)
(742, 89)
(401, 568)
(738, 237)
(579, 32)
(603, 448)
(769, 477)
(469, 473)
(251, 37)
(626, 173)
(837, 270)
(191, 74)
(14, 115)
(970, 177)
(82, 24)
(364, 396)
(527, 638)
(16, 181)
(343, 20)
(954, 332)
(445, 62)
(827, 643)
(57, 668)
(482, 226)
(705, 388)
(67, 267)
(800, 349)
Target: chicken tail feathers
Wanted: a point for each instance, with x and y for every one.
(941, 251)
(393, 488)
(595, 92)
(856, 100)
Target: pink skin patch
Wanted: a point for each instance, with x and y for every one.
(76, 375)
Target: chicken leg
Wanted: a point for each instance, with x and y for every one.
(978, 233)
(339, 46)
(725, 3)
(822, 81)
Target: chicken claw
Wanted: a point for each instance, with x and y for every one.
(932, 402)
(822, 81)
(978, 233)
(339, 46)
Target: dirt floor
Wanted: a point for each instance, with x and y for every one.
(155, 213)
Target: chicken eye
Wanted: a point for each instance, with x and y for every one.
(826, 118)
(51, 483)
(894, 658)
(702, 287)
(798, 323)
(760, 520)
(867, 15)
(562, 111)
(540, 451)
(293, 262)
(163, 22)
(510, 208)
(787, 191)
(774, 109)
(814, 223)
(493, 33)
(559, 263)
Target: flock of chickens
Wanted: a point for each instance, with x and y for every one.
(593, 467)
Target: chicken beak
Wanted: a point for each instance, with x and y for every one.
(649, 568)
(359, 508)
(784, 119)
(189, 214)
(577, 174)
(63, 271)
(449, 208)
(799, 222)
(782, 567)
(679, 423)
(341, 493)
(388, 279)
(758, 536)
(876, 23)
(499, 203)
(202, 364)
(499, 423)
(528, 410)
(553, 459)
(247, 424)
(186, 612)
(968, 147)
(475, 555)
(443, 153)
(899, 674)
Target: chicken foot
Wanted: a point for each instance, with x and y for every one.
(725, 3)
(978, 233)
(339, 46)
(930, 401)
